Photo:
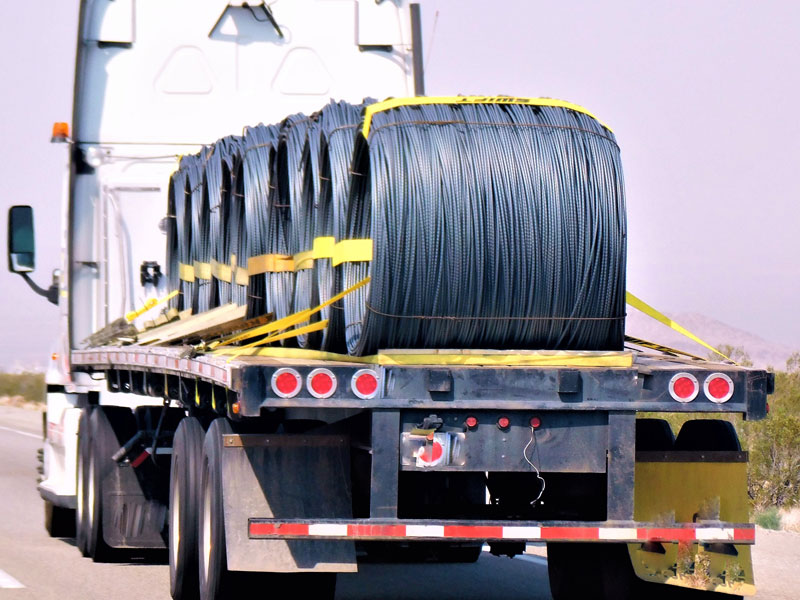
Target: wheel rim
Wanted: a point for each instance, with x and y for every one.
(175, 518)
(90, 496)
(205, 532)
(79, 492)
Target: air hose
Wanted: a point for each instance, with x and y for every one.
(493, 226)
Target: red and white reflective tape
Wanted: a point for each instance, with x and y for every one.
(267, 528)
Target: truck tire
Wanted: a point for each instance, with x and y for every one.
(216, 581)
(707, 435)
(104, 423)
(82, 463)
(184, 489)
(59, 521)
(574, 570)
(654, 435)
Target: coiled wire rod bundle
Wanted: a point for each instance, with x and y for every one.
(494, 225)
(290, 227)
(255, 230)
(219, 184)
(201, 237)
(337, 129)
(174, 200)
(184, 215)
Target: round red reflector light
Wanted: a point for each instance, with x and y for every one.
(471, 422)
(536, 422)
(503, 422)
(683, 387)
(286, 383)
(365, 384)
(321, 383)
(718, 387)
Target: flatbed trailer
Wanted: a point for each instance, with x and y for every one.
(501, 420)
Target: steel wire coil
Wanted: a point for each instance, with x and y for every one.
(219, 173)
(184, 215)
(255, 228)
(201, 236)
(290, 227)
(494, 226)
(174, 200)
(333, 146)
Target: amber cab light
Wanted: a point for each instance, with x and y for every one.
(286, 383)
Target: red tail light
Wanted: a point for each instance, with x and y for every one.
(471, 422)
(536, 422)
(684, 387)
(365, 384)
(718, 387)
(503, 422)
(321, 383)
(286, 383)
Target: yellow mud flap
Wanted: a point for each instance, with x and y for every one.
(693, 487)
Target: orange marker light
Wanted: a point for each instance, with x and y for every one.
(60, 132)
(236, 407)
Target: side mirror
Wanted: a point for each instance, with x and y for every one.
(21, 246)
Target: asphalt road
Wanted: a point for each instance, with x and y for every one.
(50, 568)
(35, 566)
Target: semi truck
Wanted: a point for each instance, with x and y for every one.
(287, 466)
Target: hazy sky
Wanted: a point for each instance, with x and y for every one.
(701, 95)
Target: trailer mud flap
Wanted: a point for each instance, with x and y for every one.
(286, 476)
(693, 487)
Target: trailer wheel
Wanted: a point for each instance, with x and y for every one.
(59, 521)
(216, 581)
(654, 434)
(214, 578)
(573, 570)
(103, 443)
(708, 435)
(81, 533)
(184, 489)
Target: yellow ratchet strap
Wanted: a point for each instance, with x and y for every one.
(186, 272)
(323, 247)
(269, 263)
(202, 270)
(149, 303)
(413, 101)
(352, 251)
(318, 326)
(303, 260)
(221, 271)
(662, 318)
(289, 321)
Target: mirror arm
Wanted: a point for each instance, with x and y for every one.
(50, 293)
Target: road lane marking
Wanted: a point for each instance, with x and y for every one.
(25, 433)
(8, 582)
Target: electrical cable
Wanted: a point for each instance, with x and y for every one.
(493, 226)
